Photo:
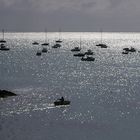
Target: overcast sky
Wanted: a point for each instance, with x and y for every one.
(70, 15)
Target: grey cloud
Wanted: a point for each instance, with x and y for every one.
(71, 15)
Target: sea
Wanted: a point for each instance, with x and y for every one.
(104, 94)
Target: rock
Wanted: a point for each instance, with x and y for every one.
(5, 93)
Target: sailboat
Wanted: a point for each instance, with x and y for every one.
(38, 53)
(45, 43)
(80, 54)
(2, 40)
(59, 40)
(3, 47)
(77, 49)
(101, 44)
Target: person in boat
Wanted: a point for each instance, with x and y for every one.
(62, 99)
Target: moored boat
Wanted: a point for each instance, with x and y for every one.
(87, 58)
(35, 43)
(61, 101)
(56, 45)
(76, 49)
(4, 48)
(38, 53)
(44, 50)
(79, 54)
(89, 52)
(58, 103)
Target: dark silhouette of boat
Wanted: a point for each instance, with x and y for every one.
(46, 43)
(35, 43)
(129, 49)
(132, 49)
(2, 40)
(57, 45)
(76, 49)
(125, 52)
(3, 47)
(6, 93)
(59, 40)
(38, 53)
(102, 45)
(89, 52)
(44, 50)
(61, 101)
(87, 58)
(79, 55)
(126, 49)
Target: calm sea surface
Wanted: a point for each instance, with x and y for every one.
(104, 94)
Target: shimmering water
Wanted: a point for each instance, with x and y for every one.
(104, 94)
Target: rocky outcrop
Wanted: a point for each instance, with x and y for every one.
(5, 93)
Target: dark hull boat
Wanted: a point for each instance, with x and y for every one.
(129, 49)
(4, 48)
(125, 52)
(35, 43)
(45, 44)
(44, 50)
(58, 41)
(102, 45)
(38, 53)
(88, 59)
(89, 52)
(56, 46)
(76, 49)
(2, 41)
(79, 55)
(59, 103)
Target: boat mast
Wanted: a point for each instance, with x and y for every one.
(80, 42)
(2, 34)
(46, 35)
(59, 34)
(101, 35)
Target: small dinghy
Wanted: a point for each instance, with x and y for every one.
(61, 102)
